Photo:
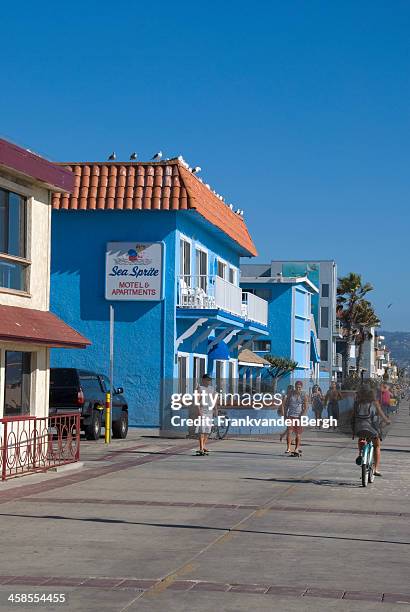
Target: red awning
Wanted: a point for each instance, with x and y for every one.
(37, 327)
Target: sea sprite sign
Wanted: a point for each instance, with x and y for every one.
(133, 271)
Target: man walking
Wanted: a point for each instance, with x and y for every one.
(205, 413)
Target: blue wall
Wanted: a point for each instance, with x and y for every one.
(288, 326)
(144, 331)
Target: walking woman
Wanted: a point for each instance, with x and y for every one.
(317, 403)
(332, 401)
(296, 406)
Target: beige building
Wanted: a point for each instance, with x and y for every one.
(27, 329)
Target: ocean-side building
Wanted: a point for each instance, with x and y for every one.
(291, 325)
(156, 243)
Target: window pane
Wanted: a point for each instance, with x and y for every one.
(221, 269)
(323, 350)
(16, 226)
(12, 275)
(17, 383)
(324, 316)
(3, 221)
(325, 290)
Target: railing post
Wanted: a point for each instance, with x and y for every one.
(35, 444)
(77, 434)
(4, 452)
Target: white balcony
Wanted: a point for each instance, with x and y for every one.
(254, 308)
(209, 292)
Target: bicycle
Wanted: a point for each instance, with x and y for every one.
(367, 461)
(220, 430)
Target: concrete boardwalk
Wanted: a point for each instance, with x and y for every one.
(145, 525)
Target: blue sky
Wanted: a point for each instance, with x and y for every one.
(297, 111)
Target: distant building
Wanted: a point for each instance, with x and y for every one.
(155, 242)
(292, 330)
(323, 274)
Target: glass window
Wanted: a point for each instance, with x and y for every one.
(202, 269)
(91, 386)
(221, 269)
(324, 316)
(13, 275)
(185, 259)
(219, 375)
(3, 221)
(232, 275)
(12, 240)
(325, 290)
(261, 345)
(324, 356)
(182, 374)
(199, 370)
(63, 377)
(17, 383)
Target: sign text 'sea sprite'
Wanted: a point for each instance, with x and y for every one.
(134, 271)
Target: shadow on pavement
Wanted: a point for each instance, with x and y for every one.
(323, 483)
(207, 528)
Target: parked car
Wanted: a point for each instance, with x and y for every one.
(83, 391)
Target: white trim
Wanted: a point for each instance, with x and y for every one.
(190, 331)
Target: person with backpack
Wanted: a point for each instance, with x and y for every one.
(367, 414)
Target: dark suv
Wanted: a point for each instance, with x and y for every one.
(84, 391)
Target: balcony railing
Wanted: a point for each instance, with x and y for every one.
(337, 328)
(201, 291)
(254, 308)
(337, 361)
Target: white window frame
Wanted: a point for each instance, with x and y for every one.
(198, 356)
(219, 260)
(202, 285)
(188, 370)
(26, 261)
(183, 238)
(233, 269)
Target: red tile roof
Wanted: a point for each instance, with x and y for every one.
(37, 327)
(166, 185)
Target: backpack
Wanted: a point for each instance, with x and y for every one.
(363, 413)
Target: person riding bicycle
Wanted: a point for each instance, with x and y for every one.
(367, 414)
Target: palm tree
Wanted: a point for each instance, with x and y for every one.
(365, 319)
(350, 293)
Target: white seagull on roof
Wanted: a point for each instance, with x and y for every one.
(112, 157)
(133, 156)
(157, 156)
(196, 169)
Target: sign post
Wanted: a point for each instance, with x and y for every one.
(134, 271)
(110, 395)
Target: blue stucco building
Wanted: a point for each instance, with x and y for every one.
(195, 322)
(291, 322)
